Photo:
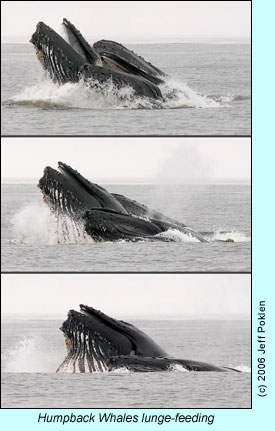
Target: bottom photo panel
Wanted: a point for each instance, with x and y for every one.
(126, 341)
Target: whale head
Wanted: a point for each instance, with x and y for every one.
(57, 57)
(67, 191)
(92, 338)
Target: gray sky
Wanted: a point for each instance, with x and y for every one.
(123, 295)
(131, 20)
(130, 160)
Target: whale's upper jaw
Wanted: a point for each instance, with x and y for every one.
(91, 341)
(94, 320)
(56, 55)
(80, 44)
(92, 338)
(62, 194)
(90, 319)
(67, 191)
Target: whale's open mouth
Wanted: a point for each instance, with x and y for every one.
(105, 216)
(68, 192)
(75, 60)
(92, 338)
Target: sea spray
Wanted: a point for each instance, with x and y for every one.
(178, 236)
(178, 368)
(30, 355)
(47, 94)
(236, 236)
(178, 94)
(36, 224)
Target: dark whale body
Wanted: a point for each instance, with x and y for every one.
(98, 343)
(104, 216)
(104, 62)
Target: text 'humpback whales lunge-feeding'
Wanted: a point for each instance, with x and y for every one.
(104, 62)
(99, 343)
(105, 216)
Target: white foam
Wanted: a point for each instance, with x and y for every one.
(50, 95)
(47, 94)
(178, 368)
(35, 224)
(176, 235)
(121, 370)
(240, 236)
(29, 356)
(177, 94)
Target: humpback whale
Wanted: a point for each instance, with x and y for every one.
(99, 343)
(106, 61)
(104, 216)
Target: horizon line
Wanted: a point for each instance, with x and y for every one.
(176, 317)
(139, 39)
(136, 181)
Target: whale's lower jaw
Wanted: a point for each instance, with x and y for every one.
(92, 338)
(144, 364)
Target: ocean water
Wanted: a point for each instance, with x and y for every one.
(31, 351)
(211, 83)
(31, 240)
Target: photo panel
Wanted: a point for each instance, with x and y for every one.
(127, 340)
(181, 68)
(126, 205)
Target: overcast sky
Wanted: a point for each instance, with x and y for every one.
(130, 160)
(129, 20)
(123, 295)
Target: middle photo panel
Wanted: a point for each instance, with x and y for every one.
(126, 205)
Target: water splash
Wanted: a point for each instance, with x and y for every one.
(121, 370)
(178, 236)
(48, 95)
(218, 236)
(236, 236)
(179, 95)
(36, 224)
(178, 368)
(29, 355)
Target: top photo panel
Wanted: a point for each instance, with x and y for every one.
(126, 68)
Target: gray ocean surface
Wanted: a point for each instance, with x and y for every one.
(211, 81)
(31, 351)
(31, 240)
